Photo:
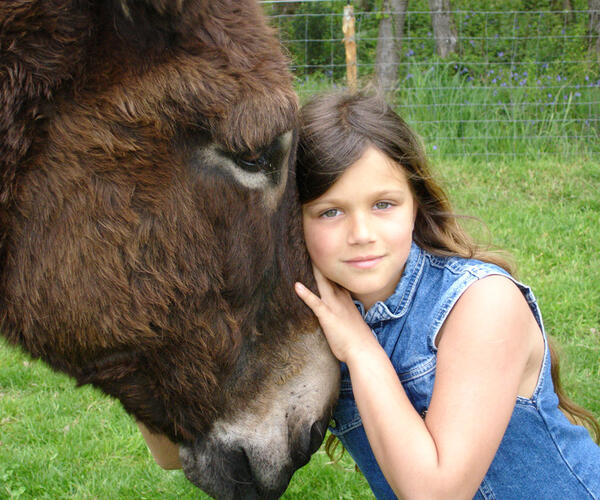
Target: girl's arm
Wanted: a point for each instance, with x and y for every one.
(484, 352)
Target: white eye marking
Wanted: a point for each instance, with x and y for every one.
(251, 180)
(213, 158)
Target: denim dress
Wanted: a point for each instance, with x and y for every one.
(542, 455)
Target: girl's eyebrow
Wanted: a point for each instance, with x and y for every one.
(389, 192)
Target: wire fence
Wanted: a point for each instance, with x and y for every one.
(518, 82)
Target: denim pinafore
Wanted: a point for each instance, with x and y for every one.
(542, 455)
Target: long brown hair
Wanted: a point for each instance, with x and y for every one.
(335, 131)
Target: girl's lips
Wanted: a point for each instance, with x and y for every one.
(364, 262)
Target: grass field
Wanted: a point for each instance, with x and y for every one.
(60, 442)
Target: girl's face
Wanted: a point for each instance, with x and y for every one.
(359, 232)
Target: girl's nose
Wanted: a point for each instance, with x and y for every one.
(360, 231)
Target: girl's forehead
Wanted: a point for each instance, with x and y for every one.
(377, 166)
(374, 173)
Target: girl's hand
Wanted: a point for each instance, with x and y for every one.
(344, 328)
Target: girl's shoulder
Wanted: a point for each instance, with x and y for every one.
(444, 280)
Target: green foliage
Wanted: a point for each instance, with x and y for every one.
(313, 32)
(522, 82)
(503, 32)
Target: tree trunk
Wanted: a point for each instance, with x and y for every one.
(570, 13)
(389, 43)
(399, 8)
(285, 8)
(594, 26)
(444, 31)
(566, 6)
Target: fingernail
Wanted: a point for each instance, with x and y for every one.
(300, 287)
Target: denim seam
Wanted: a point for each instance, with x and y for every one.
(418, 371)
(411, 289)
(338, 431)
(486, 490)
(560, 452)
(443, 311)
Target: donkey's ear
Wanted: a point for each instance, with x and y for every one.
(42, 47)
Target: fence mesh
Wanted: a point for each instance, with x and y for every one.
(520, 82)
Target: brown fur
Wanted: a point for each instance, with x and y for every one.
(122, 263)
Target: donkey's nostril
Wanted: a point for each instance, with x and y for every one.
(238, 467)
(317, 433)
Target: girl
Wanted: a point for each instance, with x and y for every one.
(446, 376)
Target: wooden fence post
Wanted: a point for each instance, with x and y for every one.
(350, 44)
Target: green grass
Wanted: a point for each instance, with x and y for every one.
(60, 442)
(546, 214)
(57, 441)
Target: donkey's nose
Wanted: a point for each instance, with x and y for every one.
(309, 442)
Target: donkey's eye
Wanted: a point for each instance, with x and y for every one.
(254, 163)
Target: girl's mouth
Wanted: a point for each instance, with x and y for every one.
(364, 262)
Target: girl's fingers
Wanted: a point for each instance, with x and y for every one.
(309, 298)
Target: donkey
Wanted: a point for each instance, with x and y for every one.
(149, 227)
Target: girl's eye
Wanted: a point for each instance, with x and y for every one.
(328, 214)
(382, 205)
